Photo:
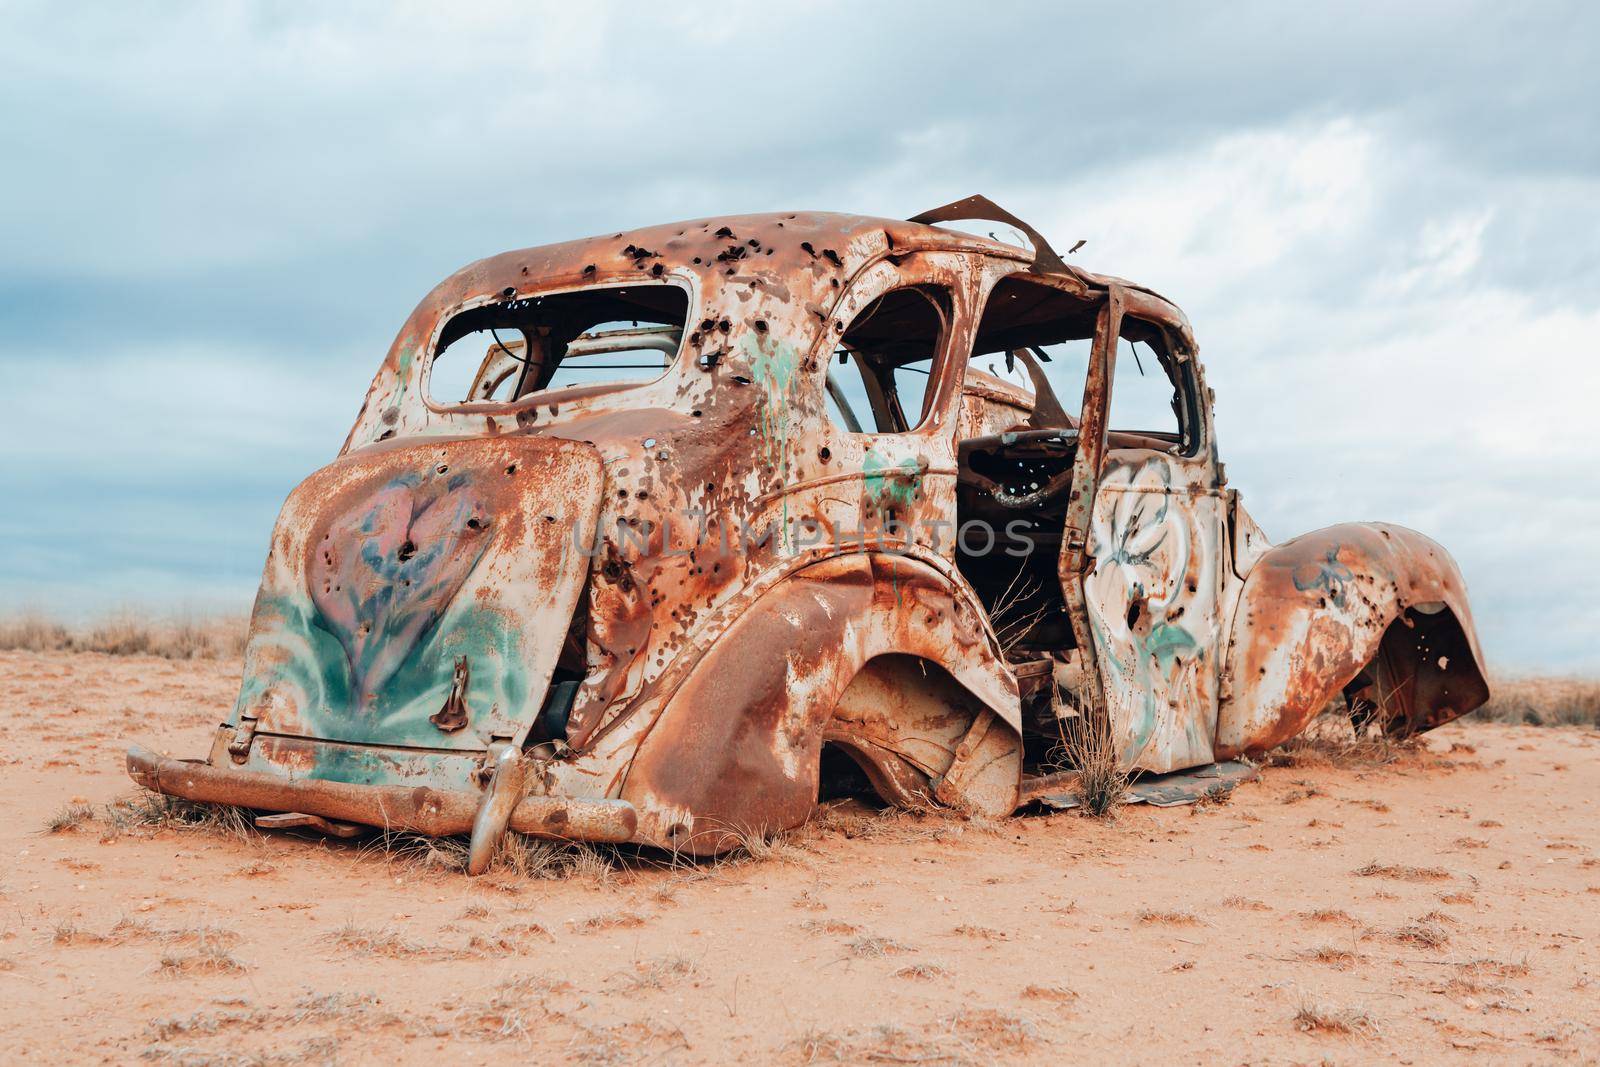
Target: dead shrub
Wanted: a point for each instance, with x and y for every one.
(161, 812)
(1542, 702)
(1402, 872)
(1057, 993)
(1318, 1018)
(1090, 749)
(1167, 918)
(69, 817)
(129, 632)
(1332, 955)
(874, 947)
(207, 958)
(1423, 932)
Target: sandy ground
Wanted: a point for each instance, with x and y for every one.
(1446, 908)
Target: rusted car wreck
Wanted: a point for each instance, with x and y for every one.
(633, 535)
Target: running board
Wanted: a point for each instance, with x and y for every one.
(1161, 790)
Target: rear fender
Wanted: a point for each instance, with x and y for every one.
(1356, 605)
(736, 748)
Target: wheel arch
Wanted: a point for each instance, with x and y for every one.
(736, 747)
(1318, 612)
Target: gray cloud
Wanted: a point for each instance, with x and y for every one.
(1379, 218)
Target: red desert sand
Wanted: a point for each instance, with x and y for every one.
(1445, 906)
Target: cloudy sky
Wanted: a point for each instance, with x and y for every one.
(1384, 222)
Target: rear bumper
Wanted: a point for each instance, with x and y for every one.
(420, 809)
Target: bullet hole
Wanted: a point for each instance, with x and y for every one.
(657, 271)
(1133, 613)
(824, 454)
(474, 524)
(723, 232)
(805, 246)
(696, 413)
(511, 468)
(710, 488)
(622, 494)
(385, 435)
(443, 468)
(741, 379)
(724, 325)
(407, 550)
(710, 359)
(589, 270)
(524, 271)
(760, 325)
(642, 495)
(832, 257)
(649, 442)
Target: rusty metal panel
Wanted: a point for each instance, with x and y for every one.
(417, 595)
(637, 611)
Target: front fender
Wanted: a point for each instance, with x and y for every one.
(735, 750)
(1366, 601)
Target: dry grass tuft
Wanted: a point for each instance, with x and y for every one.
(609, 920)
(1092, 751)
(1315, 1018)
(1423, 932)
(374, 941)
(1238, 903)
(874, 947)
(1329, 915)
(922, 972)
(129, 633)
(973, 1035)
(657, 973)
(519, 858)
(1403, 872)
(1059, 994)
(68, 932)
(760, 846)
(1167, 918)
(1334, 956)
(207, 958)
(157, 811)
(1542, 702)
(69, 817)
(981, 933)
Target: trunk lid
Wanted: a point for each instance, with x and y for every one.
(417, 595)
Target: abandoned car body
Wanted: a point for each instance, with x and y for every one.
(708, 497)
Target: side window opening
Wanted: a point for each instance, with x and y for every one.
(503, 352)
(880, 376)
(1149, 389)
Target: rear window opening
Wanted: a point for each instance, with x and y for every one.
(614, 336)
